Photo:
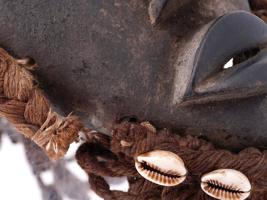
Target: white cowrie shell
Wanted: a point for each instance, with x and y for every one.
(226, 184)
(161, 167)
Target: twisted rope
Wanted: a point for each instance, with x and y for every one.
(114, 156)
(27, 108)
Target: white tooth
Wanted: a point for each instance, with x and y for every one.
(163, 161)
(229, 178)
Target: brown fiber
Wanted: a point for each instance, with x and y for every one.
(114, 156)
(26, 107)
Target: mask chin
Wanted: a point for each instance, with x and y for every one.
(240, 36)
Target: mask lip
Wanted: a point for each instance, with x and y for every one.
(201, 71)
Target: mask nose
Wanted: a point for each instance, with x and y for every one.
(242, 37)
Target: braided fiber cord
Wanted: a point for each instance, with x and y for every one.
(27, 108)
(114, 156)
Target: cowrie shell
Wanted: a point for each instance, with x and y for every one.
(226, 184)
(161, 167)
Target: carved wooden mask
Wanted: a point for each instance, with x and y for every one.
(104, 60)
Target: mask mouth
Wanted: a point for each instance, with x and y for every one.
(230, 62)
